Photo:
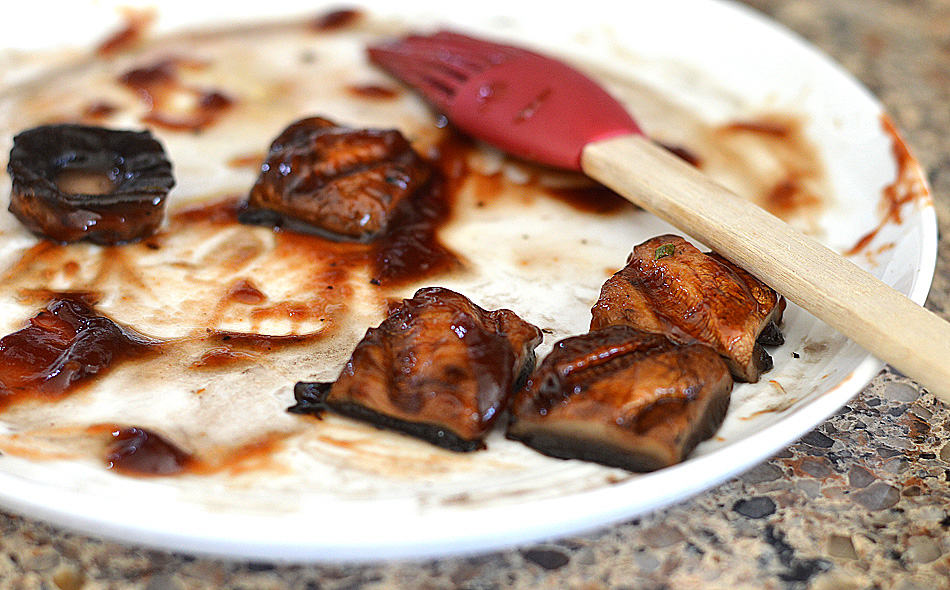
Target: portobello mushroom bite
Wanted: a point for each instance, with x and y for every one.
(669, 287)
(622, 397)
(335, 181)
(76, 182)
(439, 368)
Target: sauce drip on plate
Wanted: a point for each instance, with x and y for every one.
(64, 345)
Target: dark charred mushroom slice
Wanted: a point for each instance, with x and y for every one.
(75, 182)
(335, 181)
(670, 287)
(622, 397)
(439, 367)
(64, 344)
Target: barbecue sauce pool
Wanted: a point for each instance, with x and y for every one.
(141, 452)
(64, 346)
(407, 251)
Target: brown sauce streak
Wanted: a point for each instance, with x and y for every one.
(219, 212)
(65, 346)
(253, 456)
(71, 268)
(137, 23)
(373, 91)
(96, 111)
(244, 291)
(299, 311)
(788, 196)
(222, 356)
(44, 296)
(325, 288)
(35, 257)
(776, 161)
(907, 188)
(159, 84)
(410, 249)
(486, 186)
(336, 19)
(246, 160)
(259, 342)
(774, 128)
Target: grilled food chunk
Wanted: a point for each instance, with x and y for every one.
(669, 287)
(439, 367)
(622, 397)
(76, 182)
(335, 181)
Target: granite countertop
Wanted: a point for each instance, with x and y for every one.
(863, 501)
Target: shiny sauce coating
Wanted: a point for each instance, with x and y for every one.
(64, 345)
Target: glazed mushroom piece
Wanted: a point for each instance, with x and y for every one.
(439, 368)
(77, 182)
(338, 182)
(622, 397)
(669, 287)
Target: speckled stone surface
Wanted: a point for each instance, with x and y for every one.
(861, 502)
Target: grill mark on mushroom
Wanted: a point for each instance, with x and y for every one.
(622, 397)
(439, 368)
(669, 287)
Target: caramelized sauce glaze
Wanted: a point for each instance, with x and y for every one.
(138, 451)
(792, 188)
(336, 19)
(66, 344)
(221, 356)
(137, 23)
(98, 110)
(372, 91)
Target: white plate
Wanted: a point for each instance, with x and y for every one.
(720, 63)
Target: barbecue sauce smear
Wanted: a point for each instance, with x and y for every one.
(63, 346)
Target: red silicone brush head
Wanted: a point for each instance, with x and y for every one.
(527, 104)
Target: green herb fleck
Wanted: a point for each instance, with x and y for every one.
(664, 251)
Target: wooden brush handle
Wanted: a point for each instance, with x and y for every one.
(884, 322)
